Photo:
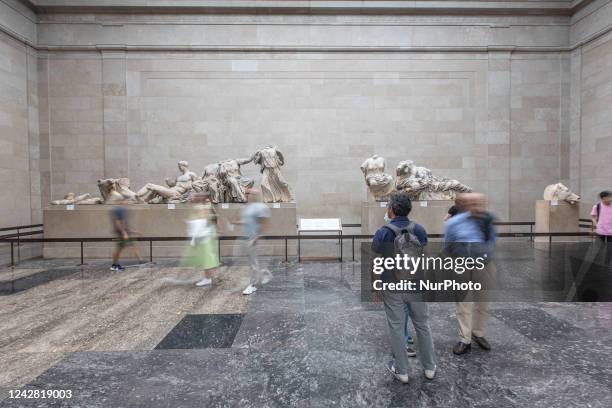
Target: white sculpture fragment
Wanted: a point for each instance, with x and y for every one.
(421, 184)
(72, 198)
(560, 192)
(379, 183)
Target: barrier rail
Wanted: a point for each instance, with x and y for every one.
(18, 236)
(286, 238)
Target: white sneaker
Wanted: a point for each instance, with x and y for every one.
(249, 289)
(430, 374)
(204, 282)
(266, 278)
(403, 378)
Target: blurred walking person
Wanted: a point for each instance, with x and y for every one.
(470, 233)
(254, 219)
(203, 250)
(119, 218)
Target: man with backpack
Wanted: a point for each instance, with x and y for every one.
(403, 236)
(471, 234)
(602, 220)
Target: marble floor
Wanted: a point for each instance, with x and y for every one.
(306, 339)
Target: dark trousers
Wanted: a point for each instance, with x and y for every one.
(606, 247)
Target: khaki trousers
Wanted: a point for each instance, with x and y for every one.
(472, 316)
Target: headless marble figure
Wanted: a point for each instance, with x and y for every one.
(211, 184)
(235, 184)
(72, 198)
(274, 188)
(379, 183)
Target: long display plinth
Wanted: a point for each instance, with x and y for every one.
(154, 220)
(430, 214)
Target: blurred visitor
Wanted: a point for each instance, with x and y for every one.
(471, 233)
(405, 236)
(452, 211)
(119, 218)
(601, 215)
(254, 219)
(202, 252)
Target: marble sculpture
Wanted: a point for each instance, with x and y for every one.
(113, 190)
(223, 182)
(421, 184)
(234, 183)
(72, 198)
(379, 183)
(560, 192)
(274, 188)
(175, 190)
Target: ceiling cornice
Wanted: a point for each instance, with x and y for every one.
(336, 7)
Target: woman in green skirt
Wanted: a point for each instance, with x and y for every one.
(202, 252)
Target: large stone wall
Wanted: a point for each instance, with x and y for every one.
(136, 114)
(17, 121)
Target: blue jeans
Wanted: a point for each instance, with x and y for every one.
(406, 325)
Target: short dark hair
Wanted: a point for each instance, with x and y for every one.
(400, 203)
(453, 211)
(605, 193)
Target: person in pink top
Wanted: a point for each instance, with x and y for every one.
(602, 219)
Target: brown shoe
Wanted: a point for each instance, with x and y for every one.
(461, 348)
(482, 342)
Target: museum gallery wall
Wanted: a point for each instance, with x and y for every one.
(507, 121)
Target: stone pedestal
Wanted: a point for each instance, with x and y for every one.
(153, 220)
(558, 216)
(430, 214)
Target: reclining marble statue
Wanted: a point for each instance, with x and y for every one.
(379, 183)
(274, 188)
(116, 189)
(175, 190)
(421, 184)
(72, 198)
(560, 192)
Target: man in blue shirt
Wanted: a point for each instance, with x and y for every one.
(471, 234)
(398, 305)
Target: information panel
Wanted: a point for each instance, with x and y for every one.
(320, 224)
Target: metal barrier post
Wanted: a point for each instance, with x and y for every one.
(340, 238)
(531, 232)
(81, 254)
(286, 251)
(18, 246)
(549, 246)
(353, 247)
(12, 256)
(150, 251)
